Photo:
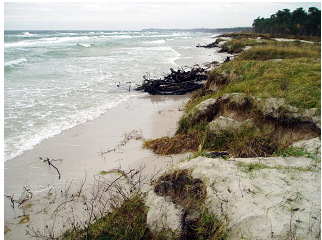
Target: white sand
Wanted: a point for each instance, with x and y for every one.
(79, 148)
(278, 201)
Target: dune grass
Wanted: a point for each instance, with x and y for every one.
(289, 70)
(295, 80)
(270, 69)
(125, 222)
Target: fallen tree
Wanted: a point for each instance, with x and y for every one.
(176, 83)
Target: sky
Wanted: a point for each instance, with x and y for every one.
(137, 16)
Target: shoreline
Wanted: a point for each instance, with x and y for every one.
(274, 188)
(188, 58)
(81, 149)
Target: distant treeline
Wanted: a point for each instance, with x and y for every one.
(207, 30)
(285, 22)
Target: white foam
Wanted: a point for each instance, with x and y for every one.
(85, 45)
(162, 41)
(28, 34)
(84, 87)
(15, 62)
(112, 37)
(68, 33)
(47, 41)
(17, 145)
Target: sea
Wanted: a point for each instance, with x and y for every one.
(55, 80)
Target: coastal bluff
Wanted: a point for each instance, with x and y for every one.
(255, 130)
(258, 196)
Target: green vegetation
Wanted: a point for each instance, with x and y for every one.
(294, 73)
(295, 152)
(269, 69)
(248, 143)
(103, 172)
(251, 168)
(298, 22)
(128, 221)
(295, 80)
(210, 227)
(237, 45)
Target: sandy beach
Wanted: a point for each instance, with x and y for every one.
(270, 190)
(81, 148)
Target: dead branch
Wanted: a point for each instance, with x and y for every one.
(11, 200)
(176, 83)
(123, 174)
(26, 195)
(50, 164)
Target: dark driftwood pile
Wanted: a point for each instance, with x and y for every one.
(176, 83)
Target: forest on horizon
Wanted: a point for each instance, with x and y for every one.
(299, 22)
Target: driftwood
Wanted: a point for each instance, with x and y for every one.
(50, 164)
(176, 83)
(210, 45)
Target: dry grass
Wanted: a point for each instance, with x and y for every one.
(243, 145)
(175, 145)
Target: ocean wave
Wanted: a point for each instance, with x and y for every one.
(28, 34)
(161, 41)
(163, 35)
(72, 77)
(84, 44)
(18, 145)
(47, 41)
(116, 36)
(67, 33)
(14, 62)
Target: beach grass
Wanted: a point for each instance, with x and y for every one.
(288, 70)
(128, 221)
(269, 69)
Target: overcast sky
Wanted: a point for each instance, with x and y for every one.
(136, 16)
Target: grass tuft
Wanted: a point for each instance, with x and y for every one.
(210, 227)
(294, 152)
(125, 222)
(175, 145)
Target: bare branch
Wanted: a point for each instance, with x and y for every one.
(50, 164)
